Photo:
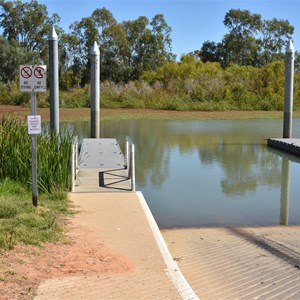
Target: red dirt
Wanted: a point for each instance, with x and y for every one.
(25, 267)
(77, 114)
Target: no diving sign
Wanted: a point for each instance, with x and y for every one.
(33, 78)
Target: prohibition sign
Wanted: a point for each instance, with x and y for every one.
(26, 72)
(39, 72)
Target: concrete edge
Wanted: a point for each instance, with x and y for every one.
(172, 270)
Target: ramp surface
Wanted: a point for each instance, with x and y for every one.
(239, 263)
(118, 221)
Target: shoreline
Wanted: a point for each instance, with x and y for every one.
(83, 114)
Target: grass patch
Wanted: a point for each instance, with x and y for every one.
(21, 222)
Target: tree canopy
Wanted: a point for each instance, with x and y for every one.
(130, 48)
(249, 41)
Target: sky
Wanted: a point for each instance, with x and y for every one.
(192, 21)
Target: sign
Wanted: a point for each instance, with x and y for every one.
(34, 124)
(33, 78)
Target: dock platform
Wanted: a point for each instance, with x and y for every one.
(288, 145)
(102, 167)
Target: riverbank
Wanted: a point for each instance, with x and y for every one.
(83, 114)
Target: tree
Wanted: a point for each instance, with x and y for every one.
(210, 51)
(114, 51)
(11, 56)
(275, 35)
(240, 45)
(28, 23)
(127, 49)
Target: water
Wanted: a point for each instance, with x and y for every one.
(212, 172)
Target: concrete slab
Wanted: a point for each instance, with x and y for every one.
(122, 222)
(239, 263)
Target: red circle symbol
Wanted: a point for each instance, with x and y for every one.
(26, 72)
(39, 72)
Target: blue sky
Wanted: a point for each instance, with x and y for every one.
(192, 21)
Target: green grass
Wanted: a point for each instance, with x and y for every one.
(21, 222)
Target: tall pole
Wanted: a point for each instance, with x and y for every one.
(34, 154)
(95, 91)
(54, 85)
(288, 93)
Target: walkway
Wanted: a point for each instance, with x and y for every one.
(123, 222)
(239, 263)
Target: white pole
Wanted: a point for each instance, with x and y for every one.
(34, 154)
(95, 92)
(54, 84)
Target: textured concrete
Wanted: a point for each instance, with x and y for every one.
(120, 222)
(239, 263)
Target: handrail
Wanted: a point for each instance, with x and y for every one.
(74, 163)
(130, 161)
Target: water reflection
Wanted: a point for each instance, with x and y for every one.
(209, 173)
(285, 192)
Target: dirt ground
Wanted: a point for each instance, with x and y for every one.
(80, 253)
(77, 114)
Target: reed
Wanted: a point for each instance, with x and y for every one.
(53, 152)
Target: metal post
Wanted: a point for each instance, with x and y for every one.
(285, 192)
(54, 85)
(95, 91)
(288, 93)
(73, 167)
(127, 155)
(34, 154)
(132, 166)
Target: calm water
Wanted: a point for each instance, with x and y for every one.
(211, 173)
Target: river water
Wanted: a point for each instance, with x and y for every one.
(203, 173)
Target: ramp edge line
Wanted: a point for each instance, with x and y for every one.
(173, 271)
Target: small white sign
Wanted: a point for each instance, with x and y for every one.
(34, 124)
(33, 78)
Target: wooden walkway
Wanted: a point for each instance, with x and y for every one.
(102, 167)
(288, 145)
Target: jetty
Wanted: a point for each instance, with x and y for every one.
(101, 166)
(290, 145)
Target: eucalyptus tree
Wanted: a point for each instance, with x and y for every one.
(11, 56)
(274, 36)
(240, 45)
(210, 51)
(114, 51)
(27, 22)
(149, 44)
(82, 37)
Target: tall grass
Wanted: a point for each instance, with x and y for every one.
(53, 154)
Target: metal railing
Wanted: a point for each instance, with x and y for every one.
(130, 161)
(74, 163)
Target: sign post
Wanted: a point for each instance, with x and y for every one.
(33, 80)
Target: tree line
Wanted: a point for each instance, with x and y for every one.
(250, 40)
(137, 55)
